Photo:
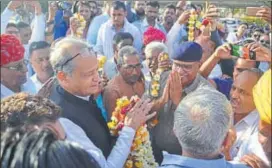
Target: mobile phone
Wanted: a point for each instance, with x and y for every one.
(242, 52)
(252, 11)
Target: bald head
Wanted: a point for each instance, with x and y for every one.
(241, 65)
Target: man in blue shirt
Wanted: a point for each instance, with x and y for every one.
(139, 13)
(201, 131)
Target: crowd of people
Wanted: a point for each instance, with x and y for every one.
(207, 104)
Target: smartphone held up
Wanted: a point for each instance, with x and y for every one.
(242, 52)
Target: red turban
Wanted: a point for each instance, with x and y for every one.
(11, 49)
(153, 34)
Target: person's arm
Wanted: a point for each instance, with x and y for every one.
(99, 45)
(93, 31)
(7, 14)
(109, 98)
(38, 32)
(130, 15)
(119, 153)
(176, 33)
(49, 35)
(138, 43)
(223, 52)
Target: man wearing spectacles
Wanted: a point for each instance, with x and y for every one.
(128, 82)
(13, 67)
(257, 33)
(182, 80)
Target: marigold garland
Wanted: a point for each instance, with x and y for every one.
(82, 26)
(191, 26)
(141, 155)
(155, 82)
(101, 62)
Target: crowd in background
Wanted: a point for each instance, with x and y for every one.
(207, 88)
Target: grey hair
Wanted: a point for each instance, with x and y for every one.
(61, 53)
(125, 52)
(201, 122)
(155, 46)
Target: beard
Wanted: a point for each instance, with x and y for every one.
(140, 13)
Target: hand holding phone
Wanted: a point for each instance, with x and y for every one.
(242, 52)
(252, 11)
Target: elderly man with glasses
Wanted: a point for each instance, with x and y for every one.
(76, 68)
(182, 80)
(129, 82)
(13, 67)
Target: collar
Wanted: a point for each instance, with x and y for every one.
(250, 119)
(191, 162)
(124, 27)
(193, 85)
(145, 24)
(28, 87)
(83, 98)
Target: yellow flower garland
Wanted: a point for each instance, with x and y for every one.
(191, 26)
(82, 26)
(141, 155)
(101, 62)
(155, 82)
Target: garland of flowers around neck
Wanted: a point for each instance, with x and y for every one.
(155, 82)
(191, 26)
(141, 155)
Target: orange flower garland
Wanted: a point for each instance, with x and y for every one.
(141, 155)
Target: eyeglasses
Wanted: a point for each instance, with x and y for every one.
(85, 51)
(265, 42)
(256, 35)
(185, 67)
(130, 68)
(19, 67)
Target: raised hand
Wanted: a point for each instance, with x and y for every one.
(211, 15)
(265, 13)
(74, 25)
(164, 63)
(253, 161)
(175, 90)
(14, 5)
(229, 141)
(184, 17)
(36, 5)
(262, 53)
(139, 114)
(223, 52)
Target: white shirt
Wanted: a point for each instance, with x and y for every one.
(244, 129)
(36, 82)
(142, 25)
(104, 45)
(110, 68)
(252, 146)
(119, 153)
(28, 87)
(232, 38)
(216, 72)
